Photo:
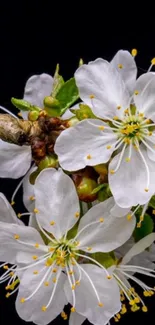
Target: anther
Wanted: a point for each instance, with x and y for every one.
(141, 114)
(141, 218)
(138, 224)
(11, 273)
(43, 308)
(46, 283)
(112, 171)
(134, 52)
(129, 217)
(7, 295)
(12, 202)
(100, 304)
(32, 198)
(36, 210)
(109, 277)
(115, 118)
(54, 270)
(19, 114)
(120, 66)
(5, 267)
(51, 249)
(77, 282)
(73, 286)
(22, 300)
(132, 302)
(36, 245)
(146, 189)
(34, 257)
(77, 214)
(119, 107)
(89, 249)
(16, 236)
(19, 215)
(144, 309)
(153, 61)
(89, 156)
(35, 272)
(127, 159)
(52, 223)
(91, 96)
(54, 280)
(73, 309)
(136, 92)
(108, 147)
(101, 220)
(137, 300)
(101, 127)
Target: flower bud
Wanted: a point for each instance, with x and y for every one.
(52, 106)
(101, 169)
(85, 188)
(48, 161)
(33, 115)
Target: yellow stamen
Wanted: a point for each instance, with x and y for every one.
(12, 202)
(136, 92)
(153, 211)
(34, 257)
(5, 267)
(73, 309)
(127, 159)
(11, 273)
(35, 272)
(109, 277)
(112, 171)
(120, 66)
(137, 300)
(91, 96)
(119, 107)
(54, 270)
(36, 245)
(19, 215)
(19, 114)
(101, 220)
(36, 210)
(54, 280)
(100, 304)
(101, 127)
(16, 236)
(43, 308)
(144, 309)
(89, 156)
(72, 254)
(7, 295)
(73, 286)
(46, 283)
(77, 283)
(153, 61)
(51, 249)
(141, 218)
(77, 214)
(22, 300)
(150, 133)
(71, 272)
(141, 114)
(108, 147)
(138, 224)
(134, 52)
(146, 189)
(32, 198)
(115, 118)
(132, 302)
(89, 249)
(52, 223)
(118, 315)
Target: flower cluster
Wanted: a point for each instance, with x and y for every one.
(85, 148)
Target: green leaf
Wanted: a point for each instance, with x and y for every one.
(67, 94)
(152, 202)
(83, 113)
(146, 228)
(105, 259)
(23, 105)
(57, 83)
(98, 188)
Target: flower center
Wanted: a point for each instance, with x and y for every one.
(63, 253)
(133, 128)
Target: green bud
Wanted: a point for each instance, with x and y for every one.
(52, 106)
(81, 62)
(48, 161)
(85, 188)
(33, 116)
(23, 105)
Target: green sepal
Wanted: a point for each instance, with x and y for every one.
(67, 95)
(23, 105)
(104, 193)
(83, 112)
(57, 83)
(98, 188)
(105, 259)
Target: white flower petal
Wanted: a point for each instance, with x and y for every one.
(85, 145)
(11, 246)
(7, 213)
(57, 201)
(128, 183)
(117, 211)
(125, 64)
(37, 87)
(145, 99)
(86, 299)
(15, 160)
(31, 310)
(150, 141)
(139, 247)
(28, 191)
(76, 319)
(100, 79)
(107, 235)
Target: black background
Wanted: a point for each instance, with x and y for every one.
(35, 36)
